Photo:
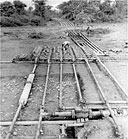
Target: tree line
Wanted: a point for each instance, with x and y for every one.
(93, 11)
(16, 14)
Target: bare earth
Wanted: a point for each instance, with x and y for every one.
(13, 76)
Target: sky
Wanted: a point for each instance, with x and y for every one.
(54, 3)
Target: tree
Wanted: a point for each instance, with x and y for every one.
(67, 9)
(19, 7)
(48, 12)
(40, 7)
(6, 8)
(106, 8)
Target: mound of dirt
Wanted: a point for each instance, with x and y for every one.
(35, 35)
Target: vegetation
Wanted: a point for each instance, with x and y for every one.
(35, 35)
(16, 14)
(93, 11)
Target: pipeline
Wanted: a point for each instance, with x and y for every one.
(91, 43)
(27, 123)
(61, 73)
(44, 97)
(81, 37)
(81, 100)
(76, 114)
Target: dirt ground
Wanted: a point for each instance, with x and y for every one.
(13, 76)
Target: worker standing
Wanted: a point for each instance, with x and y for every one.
(88, 31)
(65, 46)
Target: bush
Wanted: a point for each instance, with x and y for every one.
(103, 12)
(35, 35)
(22, 20)
(35, 21)
(14, 14)
(10, 22)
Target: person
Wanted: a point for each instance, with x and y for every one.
(88, 31)
(65, 46)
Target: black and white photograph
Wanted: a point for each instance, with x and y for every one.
(63, 69)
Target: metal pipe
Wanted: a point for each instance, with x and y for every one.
(63, 114)
(94, 106)
(77, 81)
(34, 69)
(46, 83)
(75, 114)
(29, 123)
(44, 97)
(5, 62)
(13, 122)
(61, 74)
(74, 125)
(110, 102)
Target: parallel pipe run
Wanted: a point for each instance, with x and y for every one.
(94, 50)
(77, 43)
(91, 43)
(44, 97)
(123, 93)
(61, 73)
(81, 100)
(102, 94)
(100, 90)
